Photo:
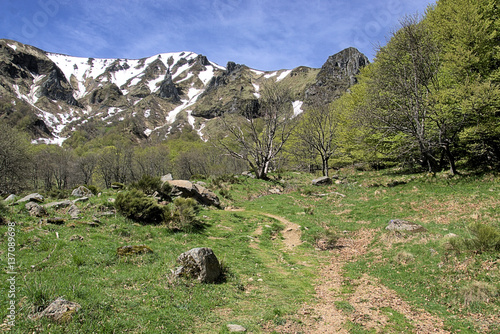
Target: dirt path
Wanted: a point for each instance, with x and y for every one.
(291, 233)
(368, 301)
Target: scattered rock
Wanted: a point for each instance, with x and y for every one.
(199, 193)
(403, 225)
(236, 328)
(76, 238)
(325, 180)
(199, 263)
(10, 199)
(56, 220)
(60, 311)
(111, 200)
(275, 191)
(35, 210)
(31, 198)
(451, 235)
(248, 174)
(73, 211)
(82, 191)
(166, 178)
(131, 250)
(81, 199)
(58, 205)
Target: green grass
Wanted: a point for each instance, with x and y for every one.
(265, 285)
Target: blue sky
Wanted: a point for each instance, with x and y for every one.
(262, 34)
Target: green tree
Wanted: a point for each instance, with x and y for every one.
(14, 159)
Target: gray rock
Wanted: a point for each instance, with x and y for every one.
(74, 212)
(31, 198)
(403, 225)
(236, 328)
(81, 199)
(60, 311)
(35, 210)
(58, 205)
(56, 220)
(188, 189)
(82, 191)
(199, 263)
(11, 198)
(321, 181)
(166, 178)
(248, 174)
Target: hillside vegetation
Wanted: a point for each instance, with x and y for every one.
(272, 282)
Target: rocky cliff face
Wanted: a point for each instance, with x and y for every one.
(336, 76)
(157, 95)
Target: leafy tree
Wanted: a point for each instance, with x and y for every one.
(14, 159)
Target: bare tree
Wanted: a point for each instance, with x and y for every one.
(258, 140)
(317, 133)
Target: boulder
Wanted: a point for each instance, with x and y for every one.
(188, 189)
(58, 205)
(403, 225)
(11, 198)
(82, 191)
(166, 178)
(31, 198)
(60, 311)
(81, 199)
(35, 210)
(324, 180)
(73, 211)
(199, 263)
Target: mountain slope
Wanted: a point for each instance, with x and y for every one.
(158, 95)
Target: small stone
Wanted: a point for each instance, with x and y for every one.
(325, 180)
(236, 328)
(76, 238)
(60, 311)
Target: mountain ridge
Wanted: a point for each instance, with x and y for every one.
(159, 94)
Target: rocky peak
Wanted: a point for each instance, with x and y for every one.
(336, 76)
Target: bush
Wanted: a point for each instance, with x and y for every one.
(148, 184)
(484, 238)
(93, 189)
(183, 215)
(135, 205)
(4, 211)
(478, 292)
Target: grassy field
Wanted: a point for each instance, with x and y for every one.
(266, 284)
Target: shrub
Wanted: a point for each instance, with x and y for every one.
(4, 211)
(93, 189)
(478, 292)
(183, 215)
(148, 184)
(484, 238)
(135, 205)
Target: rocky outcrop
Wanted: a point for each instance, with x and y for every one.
(82, 191)
(35, 197)
(336, 76)
(200, 264)
(168, 90)
(187, 189)
(56, 87)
